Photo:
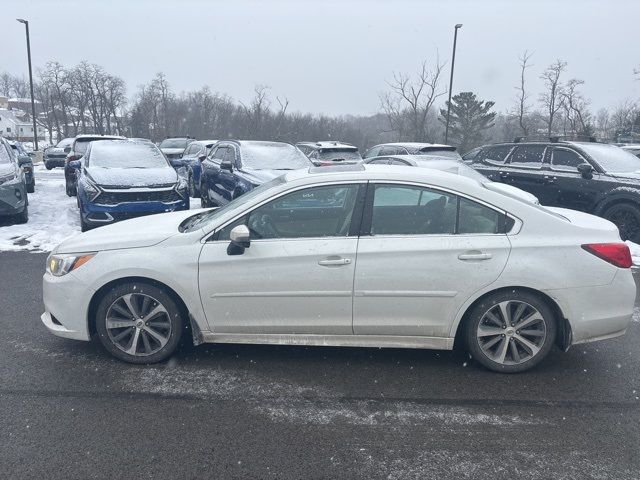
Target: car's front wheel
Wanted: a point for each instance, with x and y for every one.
(626, 217)
(510, 331)
(31, 187)
(23, 217)
(139, 323)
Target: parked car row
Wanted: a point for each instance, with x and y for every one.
(14, 202)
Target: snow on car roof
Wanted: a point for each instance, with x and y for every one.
(416, 145)
(329, 144)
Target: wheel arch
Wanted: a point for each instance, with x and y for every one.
(563, 337)
(615, 197)
(100, 292)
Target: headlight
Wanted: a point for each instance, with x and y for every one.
(59, 265)
(91, 189)
(182, 186)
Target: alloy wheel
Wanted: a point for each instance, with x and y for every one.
(511, 332)
(138, 324)
(626, 219)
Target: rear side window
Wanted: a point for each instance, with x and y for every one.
(495, 155)
(530, 156)
(564, 159)
(407, 210)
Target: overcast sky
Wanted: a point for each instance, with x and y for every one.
(333, 56)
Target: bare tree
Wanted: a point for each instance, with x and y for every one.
(603, 128)
(522, 108)
(551, 97)
(577, 116)
(410, 101)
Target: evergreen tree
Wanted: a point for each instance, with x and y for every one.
(469, 119)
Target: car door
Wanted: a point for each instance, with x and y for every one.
(525, 169)
(297, 275)
(210, 177)
(571, 190)
(422, 253)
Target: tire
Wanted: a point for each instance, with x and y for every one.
(491, 343)
(165, 326)
(31, 187)
(626, 217)
(193, 191)
(48, 167)
(204, 199)
(84, 227)
(68, 189)
(23, 217)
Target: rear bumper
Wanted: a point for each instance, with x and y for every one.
(54, 162)
(598, 313)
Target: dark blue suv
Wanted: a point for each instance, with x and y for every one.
(234, 167)
(121, 179)
(189, 164)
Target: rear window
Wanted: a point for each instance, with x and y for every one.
(273, 156)
(495, 155)
(338, 154)
(450, 154)
(174, 143)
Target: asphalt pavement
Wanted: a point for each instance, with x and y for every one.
(68, 410)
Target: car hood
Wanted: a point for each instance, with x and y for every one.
(135, 233)
(132, 177)
(258, 177)
(512, 191)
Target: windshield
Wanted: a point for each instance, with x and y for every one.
(338, 153)
(272, 156)
(452, 154)
(611, 158)
(174, 143)
(126, 154)
(82, 144)
(202, 219)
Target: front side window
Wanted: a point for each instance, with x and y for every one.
(219, 153)
(374, 152)
(568, 160)
(530, 156)
(312, 212)
(408, 210)
(4, 154)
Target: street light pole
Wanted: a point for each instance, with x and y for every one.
(33, 102)
(453, 61)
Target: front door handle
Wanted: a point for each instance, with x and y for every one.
(331, 262)
(474, 256)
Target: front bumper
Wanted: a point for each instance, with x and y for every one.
(13, 197)
(94, 214)
(66, 306)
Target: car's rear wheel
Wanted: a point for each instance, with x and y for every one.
(511, 331)
(31, 187)
(49, 167)
(626, 216)
(139, 323)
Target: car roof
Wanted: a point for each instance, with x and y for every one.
(415, 145)
(98, 137)
(206, 142)
(329, 144)
(416, 158)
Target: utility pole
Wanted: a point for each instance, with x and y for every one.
(453, 61)
(33, 101)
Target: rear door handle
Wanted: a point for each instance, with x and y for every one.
(474, 256)
(331, 262)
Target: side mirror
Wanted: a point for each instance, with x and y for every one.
(67, 149)
(240, 240)
(23, 160)
(175, 163)
(75, 164)
(226, 165)
(202, 158)
(586, 170)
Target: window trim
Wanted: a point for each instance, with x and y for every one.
(356, 218)
(365, 229)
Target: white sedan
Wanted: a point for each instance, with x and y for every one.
(364, 256)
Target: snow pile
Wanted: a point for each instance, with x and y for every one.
(53, 216)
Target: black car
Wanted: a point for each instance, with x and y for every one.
(592, 177)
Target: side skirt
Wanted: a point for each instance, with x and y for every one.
(372, 341)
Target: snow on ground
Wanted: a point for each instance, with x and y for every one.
(53, 216)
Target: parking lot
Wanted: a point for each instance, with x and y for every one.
(69, 410)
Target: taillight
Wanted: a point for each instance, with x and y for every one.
(617, 254)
